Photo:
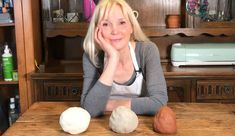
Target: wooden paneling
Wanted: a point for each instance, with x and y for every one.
(153, 12)
(219, 90)
(32, 34)
(27, 25)
(31, 19)
(58, 84)
(178, 90)
(61, 90)
(21, 58)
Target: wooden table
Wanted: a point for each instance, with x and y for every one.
(193, 119)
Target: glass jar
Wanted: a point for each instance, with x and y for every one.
(224, 10)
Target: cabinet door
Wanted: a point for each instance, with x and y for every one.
(178, 90)
(215, 91)
(60, 90)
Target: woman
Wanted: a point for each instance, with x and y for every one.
(120, 64)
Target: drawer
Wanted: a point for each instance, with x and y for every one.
(178, 90)
(215, 90)
(60, 90)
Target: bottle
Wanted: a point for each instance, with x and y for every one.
(12, 100)
(7, 63)
(13, 116)
(17, 103)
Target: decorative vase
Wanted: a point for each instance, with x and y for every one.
(88, 9)
(173, 21)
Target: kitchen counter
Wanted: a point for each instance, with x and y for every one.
(193, 119)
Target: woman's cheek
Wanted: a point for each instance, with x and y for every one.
(104, 34)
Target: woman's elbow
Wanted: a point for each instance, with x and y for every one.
(159, 102)
(162, 99)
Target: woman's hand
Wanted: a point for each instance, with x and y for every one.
(110, 51)
(112, 58)
(112, 104)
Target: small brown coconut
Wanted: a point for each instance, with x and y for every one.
(165, 121)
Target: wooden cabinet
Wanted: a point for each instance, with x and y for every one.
(201, 89)
(178, 90)
(7, 88)
(23, 38)
(60, 83)
(201, 84)
(215, 90)
(64, 87)
(62, 90)
(184, 84)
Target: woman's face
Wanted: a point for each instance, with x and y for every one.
(116, 28)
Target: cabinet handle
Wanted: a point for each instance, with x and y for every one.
(228, 89)
(171, 88)
(75, 91)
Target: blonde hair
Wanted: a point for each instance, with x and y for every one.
(101, 10)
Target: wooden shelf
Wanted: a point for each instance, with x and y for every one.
(2, 82)
(63, 66)
(217, 24)
(7, 24)
(59, 70)
(66, 29)
(198, 71)
(75, 70)
(158, 31)
(80, 29)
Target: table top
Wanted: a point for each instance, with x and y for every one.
(194, 119)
